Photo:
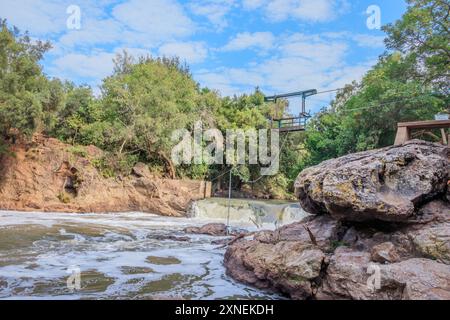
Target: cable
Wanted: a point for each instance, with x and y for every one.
(348, 110)
(381, 104)
(279, 151)
(260, 177)
(221, 175)
(229, 205)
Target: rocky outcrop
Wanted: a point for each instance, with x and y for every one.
(211, 229)
(385, 253)
(216, 230)
(352, 275)
(360, 244)
(48, 175)
(386, 184)
(288, 266)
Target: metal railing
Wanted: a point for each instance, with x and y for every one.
(286, 123)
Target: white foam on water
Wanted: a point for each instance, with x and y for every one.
(38, 248)
(254, 214)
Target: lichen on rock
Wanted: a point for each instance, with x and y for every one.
(386, 184)
(381, 230)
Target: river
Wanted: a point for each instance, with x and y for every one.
(125, 255)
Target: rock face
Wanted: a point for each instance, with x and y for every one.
(386, 184)
(385, 252)
(351, 275)
(381, 231)
(289, 266)
(48, 175)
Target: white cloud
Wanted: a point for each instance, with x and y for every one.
(93, 32)
(252, 4)
(246, 40)
(369, 41)
(160, 19)
(191, 52)
(303, 10)
(361, 39)
(219, 80)
(40, 16)
(305, 62)
(135, 52)
(214, 10)
(92, 68)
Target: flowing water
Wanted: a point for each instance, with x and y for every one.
(117, 256)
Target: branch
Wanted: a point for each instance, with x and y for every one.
(311, 235)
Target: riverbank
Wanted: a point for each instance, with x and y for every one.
(48, 175)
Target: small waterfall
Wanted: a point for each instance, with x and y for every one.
(267, 214)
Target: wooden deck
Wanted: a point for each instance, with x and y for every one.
(404, 129)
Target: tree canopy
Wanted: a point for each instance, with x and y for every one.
(145, 99)
(409, 83)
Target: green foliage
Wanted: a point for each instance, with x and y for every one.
(102, 165)
(111, 165)
(410, 84)
(78, 151)
(146, 99)
(26, 96)
(423, 34)
(143, 102)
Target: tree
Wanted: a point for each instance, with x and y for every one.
(367, 118)
(423, 33)
(80, 109)
(26, 96)
(144, 102)
(410, 82)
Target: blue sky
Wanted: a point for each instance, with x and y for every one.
(231, 45)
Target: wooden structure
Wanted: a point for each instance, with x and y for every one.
(405, 128)
(294, 123)
(289, 124)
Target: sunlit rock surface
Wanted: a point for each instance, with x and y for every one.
(380, 230)
(386, 184)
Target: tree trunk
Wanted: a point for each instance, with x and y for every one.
(169, 165)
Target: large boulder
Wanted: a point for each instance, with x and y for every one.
(289, 260)
(322, 231)
(324, 258)
(386, 184)
(380, 230)
(352, 275)
(291, 267)
(430, 236)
